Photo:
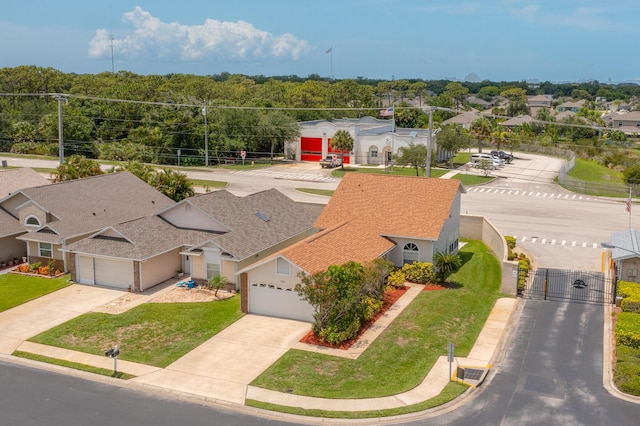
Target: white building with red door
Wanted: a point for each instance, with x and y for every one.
(374, 140)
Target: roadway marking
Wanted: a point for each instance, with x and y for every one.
(506, 191)
(285, 175)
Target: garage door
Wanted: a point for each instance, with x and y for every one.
(105, 272)
(84, 269)
(113, 273)
(278, 302)
(310, 149)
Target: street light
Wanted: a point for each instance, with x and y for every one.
(605, 244)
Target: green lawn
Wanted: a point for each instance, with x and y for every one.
(397, 171)
(208, 183)
(324, 192)
(74, 365)
(18, 289)
(627, 372)
(402, 356)
(592, 172)
(154, 333)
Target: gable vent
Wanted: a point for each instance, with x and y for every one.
(262, 216)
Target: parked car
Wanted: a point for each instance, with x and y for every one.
(331, 161)
(508, 158)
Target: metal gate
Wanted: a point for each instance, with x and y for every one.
(582, 286)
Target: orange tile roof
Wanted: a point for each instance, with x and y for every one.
(335, 246)
(391, 205)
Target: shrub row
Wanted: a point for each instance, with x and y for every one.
(416, 272)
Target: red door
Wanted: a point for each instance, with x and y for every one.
(310, 149)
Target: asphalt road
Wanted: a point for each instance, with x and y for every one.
(32, 397)
(550, 374)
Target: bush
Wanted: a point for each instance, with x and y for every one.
(396, 279)
(511, 242)
(631, 293)
(337, 333)
(628, 330)
(419, 272)
(370, 307)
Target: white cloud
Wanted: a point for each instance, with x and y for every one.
(154, 39)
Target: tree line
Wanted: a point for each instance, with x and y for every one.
(151, 118)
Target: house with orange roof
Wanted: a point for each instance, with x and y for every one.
(399, 218)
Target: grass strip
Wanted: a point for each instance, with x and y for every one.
(74, 365)
(324, 192)
(450, 392)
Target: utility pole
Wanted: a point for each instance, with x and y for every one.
(60, 98)
(429, 143)
(206, 138)
(112, 67)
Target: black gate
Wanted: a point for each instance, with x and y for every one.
(583, 286)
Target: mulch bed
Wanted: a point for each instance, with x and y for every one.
(390, 297)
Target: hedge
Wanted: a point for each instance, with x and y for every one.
(630, 291)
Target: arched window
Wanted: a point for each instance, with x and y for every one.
(410, 253)
(32, 221)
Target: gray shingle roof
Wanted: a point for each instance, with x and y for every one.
(627, 244)
(148, 237)
(9, 225)
(249, 233)
(14, 179)
(88, 205)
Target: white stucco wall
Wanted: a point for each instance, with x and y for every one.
(159, 269)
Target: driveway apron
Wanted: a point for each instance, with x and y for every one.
(222, 367)
(34, 317)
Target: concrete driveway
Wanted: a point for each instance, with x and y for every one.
(34, 317)
(222, 367)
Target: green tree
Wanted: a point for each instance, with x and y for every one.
(517, 98)
(76, 167)
(452, 138)
(457, 93)
(481, 130)
(172, 183)
(632, 174)
(414, 155)
(276, 128)
(342, 141)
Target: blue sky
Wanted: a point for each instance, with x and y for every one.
(555, 40)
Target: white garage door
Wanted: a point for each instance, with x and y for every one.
(277, 302)
(113, 273)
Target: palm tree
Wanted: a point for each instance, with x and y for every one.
(342, 141)
(481, 130)
(217, 282)
(76, 167)
(446, 264)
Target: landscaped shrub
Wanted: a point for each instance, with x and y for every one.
(337, 333)
(511, 241)
(419, 272)
(370, 307)
(628, 330)
(396, 279)
(630, 291)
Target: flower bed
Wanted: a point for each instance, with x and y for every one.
(42, 271)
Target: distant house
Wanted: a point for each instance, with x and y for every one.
(629, 122)
(518, 121)
(464, 119)
(573, 106)
(539, 101)
(402, 219)
(626, 254)
(474, 100)
(211, 234)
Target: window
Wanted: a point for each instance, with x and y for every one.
(283, 267)
(32, 221)
(45, 250)
(213, 269)
(374, 153)
(410, 253)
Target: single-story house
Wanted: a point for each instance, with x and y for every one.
(375, 140)
(54, 215)
(629, 122)
(402, 219)
(518, 121)
(626, 254)
(12, 180)
(216, 233)
(573, 106)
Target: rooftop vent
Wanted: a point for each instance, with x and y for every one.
(262, 216)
